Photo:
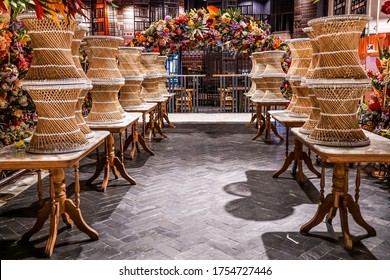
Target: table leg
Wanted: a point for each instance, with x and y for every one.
(287, 139)
(260, 125)
(59, 205)
(41, 202)
(341, 200)
(143, 124)
(252, 120)
(111, 162)
(159, 120)
(139, 140)
(298, 155)
(271, 126)
(165, 115)
(151, 125)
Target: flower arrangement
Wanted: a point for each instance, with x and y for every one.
(208, 27)
(17, 111)
(43, 8)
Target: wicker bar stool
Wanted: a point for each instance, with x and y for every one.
(106, 79)
(338, 81)
(301, 52)
(273, 75)
(257, 80)
(338, 125)
(314, 116)
(129, 64)
(338, 38)
(51, 42)
(152, 78)
(57, 130)
(160, 66)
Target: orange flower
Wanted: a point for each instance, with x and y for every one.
(212, 10)
(276, 43)
(142, 38)
(210, 21)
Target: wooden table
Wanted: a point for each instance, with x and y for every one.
(298, 154)
(339, 198)
(136, 139)
(267, 124)
(58, 204)
(171, 105)
(160, 115)
(284, 119)
(110, 160)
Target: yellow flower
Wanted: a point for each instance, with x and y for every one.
(190, 22)
(19, 144)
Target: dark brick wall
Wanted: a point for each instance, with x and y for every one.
(304, 10)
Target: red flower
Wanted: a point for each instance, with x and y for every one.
(386, 7)
(375, 107)
(3, 8)
(38, 9)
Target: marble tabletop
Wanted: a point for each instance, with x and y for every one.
(142, 108)
(377, 151)
(282, 117)
(10, 158)
(113, 127)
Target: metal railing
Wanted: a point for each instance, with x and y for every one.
(236, 85)
(187, 90)
(193, 92)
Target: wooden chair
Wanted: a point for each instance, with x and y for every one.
(226, 101)
(184, 103)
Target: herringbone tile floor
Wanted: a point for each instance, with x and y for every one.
(208, 193)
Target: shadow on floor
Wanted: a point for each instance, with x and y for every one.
(323, 246)
(263, 198)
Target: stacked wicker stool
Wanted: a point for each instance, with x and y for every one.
(129, 64)
(339, 80)
(106, 79)
(54, 83)
(301, 52)
(314, 116)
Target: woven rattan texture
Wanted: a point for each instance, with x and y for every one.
(302, 107)
(160, 65)
(315, 53)
(272, 87)
(252, 89)
(291, 104)
(254, 66)
(149, 61)
(314, 117)
(102, 54)
(51, 43)
(78, 36)
(162, 85)
(57, 130)
(129, 61)
(260, 87)
(338, 39)
(338, 124)
(273, 61)
(104, 104)
(79, 113)
(130, 95)
(150, 87)
(301, 54)
(260, 63)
